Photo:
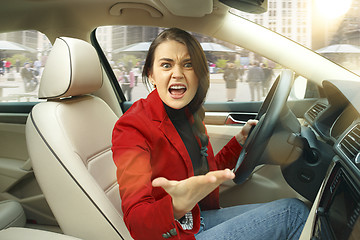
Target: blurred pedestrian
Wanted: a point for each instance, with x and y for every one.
(268, 74)
(127, 81)
(241, 71)
(254, 78)
(17, 65)
(37, 66)
(30, 81)
(7, 66)
(230, 76)
(137, 72)
(2, 67)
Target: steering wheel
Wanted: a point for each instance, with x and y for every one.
(269, 114)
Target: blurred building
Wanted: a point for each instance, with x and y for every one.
(349, 30)
(30, 38)
(295, 19)
(291, 18)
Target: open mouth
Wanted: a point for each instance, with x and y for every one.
(177, 90)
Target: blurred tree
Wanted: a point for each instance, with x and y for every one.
(128, 60)
(221, 63)
(20, 57)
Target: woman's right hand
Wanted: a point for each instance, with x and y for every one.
(188, 192)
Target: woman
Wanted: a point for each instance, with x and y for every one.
(166, 168)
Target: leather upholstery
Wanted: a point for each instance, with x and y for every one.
(69, 143)
(15, 233)
(72, 69)
(11, 214)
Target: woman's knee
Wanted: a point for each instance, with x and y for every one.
(296, 207)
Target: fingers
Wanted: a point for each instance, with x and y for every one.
(246, 129)
(243, 134)
(219, 176)
(228, 174)
(160, 182)
(252, 122)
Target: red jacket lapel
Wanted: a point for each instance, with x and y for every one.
(158, 114)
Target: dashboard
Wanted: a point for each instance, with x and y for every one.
(335, 120)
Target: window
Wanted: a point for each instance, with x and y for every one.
(129, 49)
(21, 63)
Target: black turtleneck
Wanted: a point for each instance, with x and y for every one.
(183, 127)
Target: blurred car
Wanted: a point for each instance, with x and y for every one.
(56, 173)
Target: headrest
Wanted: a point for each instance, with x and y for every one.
(72, 68)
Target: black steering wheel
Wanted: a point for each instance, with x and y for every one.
(268, 116)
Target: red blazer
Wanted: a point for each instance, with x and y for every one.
(146, 145)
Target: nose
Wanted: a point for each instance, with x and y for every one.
(178, 72)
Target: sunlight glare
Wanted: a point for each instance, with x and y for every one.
(332, 9)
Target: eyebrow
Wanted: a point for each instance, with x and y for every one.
(171, 60)
(166, 59)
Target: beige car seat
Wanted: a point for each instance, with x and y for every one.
(69, 143)
(11, 214)
(21, 233)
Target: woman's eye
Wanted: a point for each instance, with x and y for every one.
(166, 65)
(188, 65)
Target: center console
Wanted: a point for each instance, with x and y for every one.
(337, 215)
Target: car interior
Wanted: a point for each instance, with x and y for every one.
(57, 176)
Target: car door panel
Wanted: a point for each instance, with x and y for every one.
(17, 180)
(13, 155)
(219, 113)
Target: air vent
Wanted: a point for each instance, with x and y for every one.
(315, 110)
(350, 144)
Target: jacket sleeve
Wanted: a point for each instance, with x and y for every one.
(146, 216)
(228, 155)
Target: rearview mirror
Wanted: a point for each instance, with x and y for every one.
(249, 6)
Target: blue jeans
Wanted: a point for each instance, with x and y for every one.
(280, 219)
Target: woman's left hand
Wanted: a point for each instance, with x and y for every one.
(243, 134)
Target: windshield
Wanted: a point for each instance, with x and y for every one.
(330, 30)
(329, 27)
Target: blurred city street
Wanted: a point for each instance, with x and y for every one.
(13, 89)
(216, 93)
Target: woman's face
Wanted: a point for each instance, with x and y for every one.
(173, 74)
